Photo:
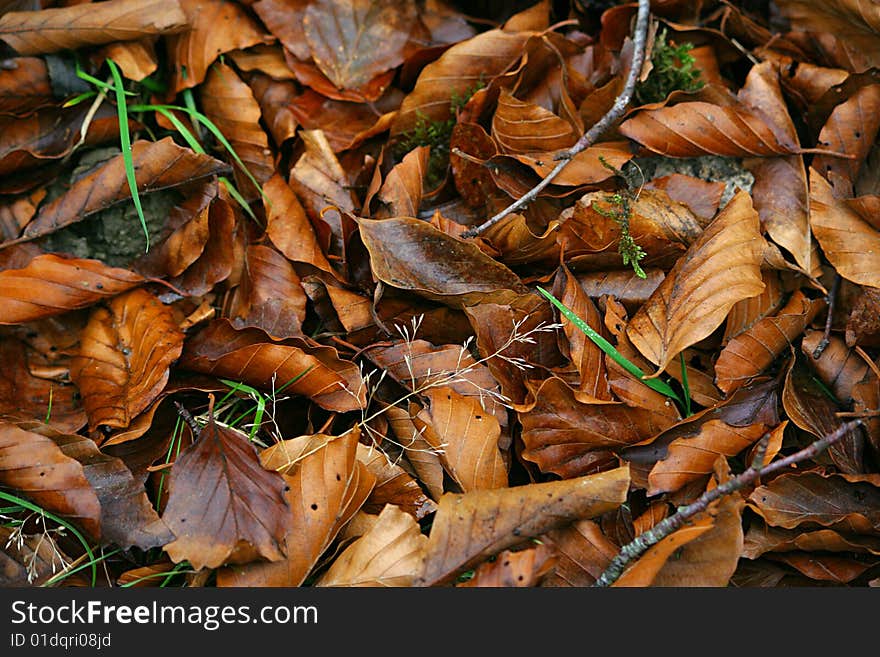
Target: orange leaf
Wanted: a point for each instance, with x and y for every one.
(124, 358)
(51, 285)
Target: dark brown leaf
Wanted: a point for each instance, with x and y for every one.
(223, 506)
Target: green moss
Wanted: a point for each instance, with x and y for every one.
(620, 211)
(673, 70)
(435, 134)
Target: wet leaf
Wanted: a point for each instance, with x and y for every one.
(353, 42)
(75, 26)
(719, 269)
(325, 488)
(411, 254)
(224, 507)
(158, 165)
(50, 285)
(391, 553)
(462, 533)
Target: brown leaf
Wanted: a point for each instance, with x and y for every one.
(745, 313)
(124, 357)
(411, 254)
(751, 352)
(394, 486)
(809, 407)
(49, 134)
(36, 467)
(466, 437)
(275, 98)
(590, 235)
(468, 528)
(631, 290)
(270, 296)
(70, 28)
(51, 285)
(289, 227)
(582, 552)
(136, 59)
(421, 456)
(702, 197)
(811, 500)
(31, 560)
(127, 515)
(325, 488)
(158, 165)
(25, 86)
(223, 506)
(782, 199)
(851, 128)
(838, 367)
(825, 567)
(863, 323)
(353, 42)
(284, 18)
(706, 551)
(692, 129)
(24, 396)
(231, 105)
(391, 553)
(214, 27)
(456, 71)
(690, 458)
(514, 569)
(762, 538)
(559, 432)
(850, 243)
(402, 190)
(720, 268)
(522, 127)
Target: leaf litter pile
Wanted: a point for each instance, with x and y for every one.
(255, 331)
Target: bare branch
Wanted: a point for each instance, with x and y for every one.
(641, 543)
(826, 336)
(592, 135)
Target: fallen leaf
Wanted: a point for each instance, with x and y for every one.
(325, 488)
(810, 500)
(50, 285)
(30, 561)
(284, 18)
(25, 86)
(470, 527)
(391, 553)
(582, 554)
(824, 567)
(514, 569)
(223, 506)
(394, 486)
(720, 268)
(353, 42)
(124, 358)
(839, 367)
(75, 26)
(158, 165)
(751, 352)
(36, 466)
(410, 254)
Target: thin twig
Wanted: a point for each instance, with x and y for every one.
(640, 545)
(826, 335)
(593, 134)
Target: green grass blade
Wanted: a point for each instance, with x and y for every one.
(257, 397)
(125, 141)
(76, 100)
(14, 499)
(603, 344)
(684, 385)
